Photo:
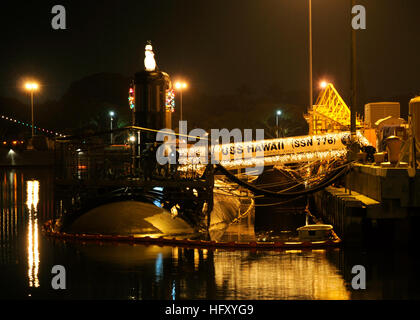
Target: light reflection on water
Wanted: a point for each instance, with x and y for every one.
(123, 271)
(32, 196)
(282, 275)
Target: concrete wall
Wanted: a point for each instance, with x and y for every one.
(398, 193)
(383, 206)
(343, 212)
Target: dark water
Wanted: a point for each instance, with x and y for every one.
(95, 271)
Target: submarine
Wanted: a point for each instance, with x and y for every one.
(116, 187)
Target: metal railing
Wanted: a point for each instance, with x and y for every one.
(94, 157)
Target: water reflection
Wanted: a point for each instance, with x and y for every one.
(291, 274)
(159, 267)
(197, 254)
(123, 271)
(184, 273)
(9, 215)
(32, 199)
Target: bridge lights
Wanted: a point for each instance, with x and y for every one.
(323, 84)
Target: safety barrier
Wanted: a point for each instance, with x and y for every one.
(49, 231)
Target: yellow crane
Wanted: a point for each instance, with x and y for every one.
(330, 113)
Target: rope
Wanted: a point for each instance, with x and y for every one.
(76, 137)
(243, 215)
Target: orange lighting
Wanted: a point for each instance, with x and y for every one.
(31, 86)
(14, 142)
(180, 85)
(323, 84)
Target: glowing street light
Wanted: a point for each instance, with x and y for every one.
(111, 114)
(323, 84)
(278, 114)
(31, 87)
(181, 86)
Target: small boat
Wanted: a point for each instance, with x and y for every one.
(315, 232)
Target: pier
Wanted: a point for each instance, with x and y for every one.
(376, 204)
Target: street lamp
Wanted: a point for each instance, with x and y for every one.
(31, 87)
(310, 56)
(111, 114)
(180, 86)
(278, 114)
(323, 84)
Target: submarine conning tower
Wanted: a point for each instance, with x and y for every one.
(154, 98)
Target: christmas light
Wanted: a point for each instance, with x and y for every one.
(273, 152)
(149, 60)
(29, 125)
(131, 97)
(170, 100)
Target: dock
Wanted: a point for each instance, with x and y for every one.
(376, 204)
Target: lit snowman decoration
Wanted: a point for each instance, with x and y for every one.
(149, 60)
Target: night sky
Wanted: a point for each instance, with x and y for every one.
(217, 45)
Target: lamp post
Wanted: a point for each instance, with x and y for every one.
(353, 79)
(31, 87)
(310, 56)
(278, 114)
(111, 114)
(180, 86)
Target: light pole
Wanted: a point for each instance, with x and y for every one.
(180, 86)
(31, 87)
(353, 79)
(111, 114)
(310, 56)
(278, 114)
